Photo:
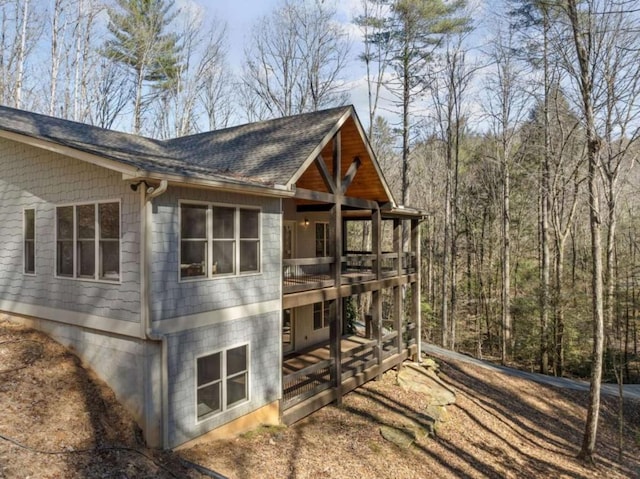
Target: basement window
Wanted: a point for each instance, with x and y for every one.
(222, 381)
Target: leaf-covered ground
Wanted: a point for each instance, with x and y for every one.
(500, 426)
(68, 424)
(57, 420)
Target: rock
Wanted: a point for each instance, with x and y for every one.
(438, 413)
(400, 436)
(429, 363)
(425, 381)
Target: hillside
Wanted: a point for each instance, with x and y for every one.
(70, 426)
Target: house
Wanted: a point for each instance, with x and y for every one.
(210, 280)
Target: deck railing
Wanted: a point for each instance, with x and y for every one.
(306, 383)
(358, 359)
(409, 262)
(303, 274)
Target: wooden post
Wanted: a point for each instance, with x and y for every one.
(415, 287)
(376, 242)
(335, 328)
(397, 316)
(397, 244)
(376, 299)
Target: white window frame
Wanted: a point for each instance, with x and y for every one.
(223, 381)
(98, 266)
(209, 274)
(25, 240)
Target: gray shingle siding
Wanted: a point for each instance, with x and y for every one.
(34, 178)
(172, 298)
(261, 333)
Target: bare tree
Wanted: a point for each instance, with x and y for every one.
(21, 29)
(201, 74)
(377, 52)
(600, 40)
(216, 92)
(448, 89)
(580, 65)
(83, 66)
(507, 104)
(58, 27)
(110, 90)
(295, 60)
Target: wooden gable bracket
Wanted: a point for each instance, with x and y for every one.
(324, 173)
(351, 173)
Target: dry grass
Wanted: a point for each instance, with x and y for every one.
(499, 427)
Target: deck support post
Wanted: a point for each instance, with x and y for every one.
(415, 288)
(335, 227)
(397, 316)
(376, 242)
(397, 291)
(397, 244)
(376, 300)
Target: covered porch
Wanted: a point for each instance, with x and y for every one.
(345, 240)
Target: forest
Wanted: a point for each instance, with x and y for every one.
(513, 124)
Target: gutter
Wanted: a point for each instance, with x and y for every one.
(147, 194)
(279, 191)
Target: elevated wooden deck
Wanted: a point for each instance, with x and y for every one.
(304, 274)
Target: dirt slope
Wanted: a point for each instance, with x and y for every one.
(67, 422)
(499, 427)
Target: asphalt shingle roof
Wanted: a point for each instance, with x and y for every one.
(265, 153)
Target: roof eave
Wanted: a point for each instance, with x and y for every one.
(405, 212)
(69, 151)
(278, 191)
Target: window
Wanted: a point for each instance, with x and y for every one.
(321, 315)
(193, 246)
(88, 241)
(322, 242)
(249, 241)
(231, 238)
(30, 241)
(222, 381)
(224, 240)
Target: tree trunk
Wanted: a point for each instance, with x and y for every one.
(22, 54)
(593, 158)
(506, 262)
(544, 216)
(444, 297)
(137, 106)
(559, 311)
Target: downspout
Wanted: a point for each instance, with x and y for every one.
(147, 194)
